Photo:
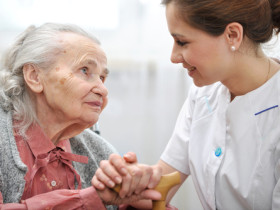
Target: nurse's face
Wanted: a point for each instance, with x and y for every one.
(202, 54)
(74, 89)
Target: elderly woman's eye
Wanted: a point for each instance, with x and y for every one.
(102, 78)
(84, 70)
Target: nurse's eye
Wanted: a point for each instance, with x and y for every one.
(181, 43)
(84, 70)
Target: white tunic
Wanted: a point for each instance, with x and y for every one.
(231, 149)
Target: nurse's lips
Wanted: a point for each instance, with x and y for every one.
(191, 68)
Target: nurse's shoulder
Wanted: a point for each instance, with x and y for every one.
(211, 92)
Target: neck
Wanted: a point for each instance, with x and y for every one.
(58, 132)
(57, 128)
(248, 74)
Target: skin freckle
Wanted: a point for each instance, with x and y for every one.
(62, 81)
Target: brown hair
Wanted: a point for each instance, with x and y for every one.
(258, 17)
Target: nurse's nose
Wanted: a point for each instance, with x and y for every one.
(176, 56)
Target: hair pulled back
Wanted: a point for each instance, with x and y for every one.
(38, 46)
(259, 18)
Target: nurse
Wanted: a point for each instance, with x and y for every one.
(227, 135)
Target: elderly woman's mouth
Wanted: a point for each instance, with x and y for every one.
(95, 103)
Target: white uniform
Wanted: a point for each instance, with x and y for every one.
(231, 149)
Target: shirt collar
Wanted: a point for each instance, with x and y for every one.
(39, 143)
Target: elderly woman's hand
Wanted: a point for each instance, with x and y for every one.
(133, 177)
(110, 197)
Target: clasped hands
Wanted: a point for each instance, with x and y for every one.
(137, 181)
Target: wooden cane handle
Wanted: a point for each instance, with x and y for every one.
(165, 184)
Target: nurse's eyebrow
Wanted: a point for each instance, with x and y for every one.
(176, 35)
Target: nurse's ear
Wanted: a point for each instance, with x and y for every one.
(31, 77)
(234, 35)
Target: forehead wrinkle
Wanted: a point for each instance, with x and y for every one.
(86, 54)
(80, 50)
(84, 60)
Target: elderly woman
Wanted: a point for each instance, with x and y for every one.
(52, 90)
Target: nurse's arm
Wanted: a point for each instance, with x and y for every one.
(166, 169)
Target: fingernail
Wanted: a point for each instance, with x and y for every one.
(123, 170)
(118, 180)
(127, 155)
(121, 195)
(111, 184)
(101, 185)
(151, 186)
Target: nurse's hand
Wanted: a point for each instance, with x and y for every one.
(133, 177)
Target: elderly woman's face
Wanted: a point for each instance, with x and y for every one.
(74, 89)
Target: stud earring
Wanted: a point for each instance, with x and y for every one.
(232, 48)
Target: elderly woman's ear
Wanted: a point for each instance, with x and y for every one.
(31, 77)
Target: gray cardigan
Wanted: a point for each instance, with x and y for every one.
(13, 170)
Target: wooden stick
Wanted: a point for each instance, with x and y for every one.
(166, 183)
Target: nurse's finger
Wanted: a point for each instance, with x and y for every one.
(118, 162)
(145, 178)
(155, 177)
(108, 174)
(126, 183)
(136, 173)
(130, 157)
(100, 179)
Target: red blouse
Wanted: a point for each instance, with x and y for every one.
(50, 178)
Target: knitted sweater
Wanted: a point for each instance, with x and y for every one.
(13, 170)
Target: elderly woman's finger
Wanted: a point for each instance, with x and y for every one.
(97, 184)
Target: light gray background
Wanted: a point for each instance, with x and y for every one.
(146, 91)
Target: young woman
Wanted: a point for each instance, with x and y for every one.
(227, 134)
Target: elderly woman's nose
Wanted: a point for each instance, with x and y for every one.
(100, 89)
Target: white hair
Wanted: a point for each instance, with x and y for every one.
(36, 45)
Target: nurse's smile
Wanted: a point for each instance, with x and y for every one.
(191, 70)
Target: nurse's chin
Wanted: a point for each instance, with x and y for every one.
(200, 83)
